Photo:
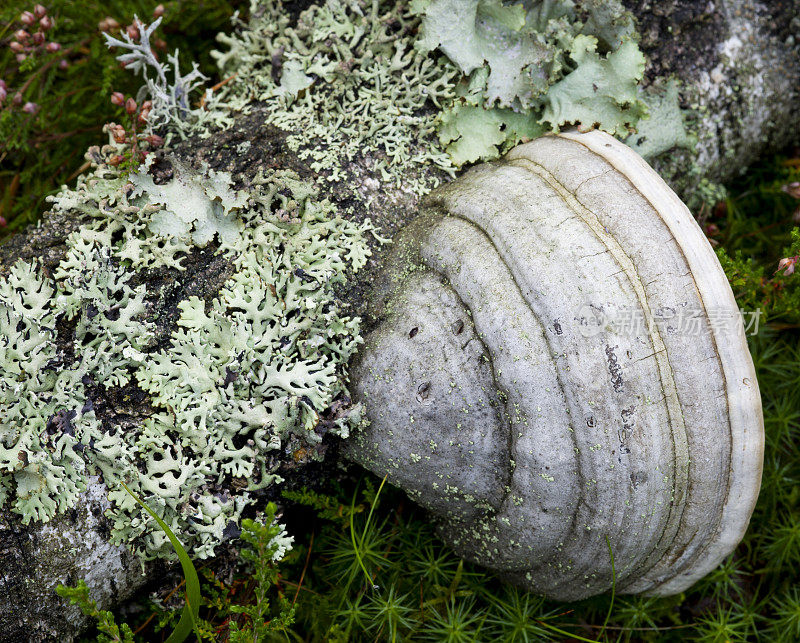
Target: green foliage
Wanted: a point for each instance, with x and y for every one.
(191, 609)
(266, 544)
(41, 151)
(786, 607)
(105, 622)
(325, 506)
(755, 229)
(109, 631)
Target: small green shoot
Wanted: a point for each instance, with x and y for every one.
(357, 547)
(191, 611)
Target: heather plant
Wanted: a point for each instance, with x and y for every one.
(57, 77)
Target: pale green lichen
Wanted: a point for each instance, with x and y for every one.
(244, 380)
(46, 419)
(532, 68)
(366, 80)
(347, 82)
(664, 128)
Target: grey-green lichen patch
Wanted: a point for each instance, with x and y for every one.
(532, 68)
(157, 224)
(41, 470)
(244, 378)
(370, 80)
(347, 82)
(664, 128)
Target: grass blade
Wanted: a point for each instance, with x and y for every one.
(191, 611)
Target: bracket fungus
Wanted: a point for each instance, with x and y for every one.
(560, 375)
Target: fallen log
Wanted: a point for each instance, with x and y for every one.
(739, 79)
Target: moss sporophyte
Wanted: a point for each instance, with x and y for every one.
(251, 370)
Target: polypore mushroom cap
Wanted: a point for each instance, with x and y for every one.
(561, 368)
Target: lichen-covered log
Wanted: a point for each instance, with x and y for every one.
(79, 542)
(362, 122)
(738, 63)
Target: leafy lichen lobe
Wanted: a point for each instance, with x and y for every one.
(245, 376)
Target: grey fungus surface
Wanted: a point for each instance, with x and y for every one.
(560, 369)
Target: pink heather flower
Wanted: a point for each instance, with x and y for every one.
(30, 108)
(46, 23)
(155, 140)
(118, 132)
(118, 99)
(39, 11)
(792, 189)
(133, 32)
(158, 11)
(3, 94)
(27, 18)
(16, 47)
(21, 58)
(38, 38)
(53, 47)
(63, 64)
(21, 35)
(3, 222)
(130, 106)
(787, 264)
(17, 100)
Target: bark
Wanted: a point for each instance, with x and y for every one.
(739, 66)
(738, 62)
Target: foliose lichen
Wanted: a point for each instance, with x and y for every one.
(244, 376)
(362, 78)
